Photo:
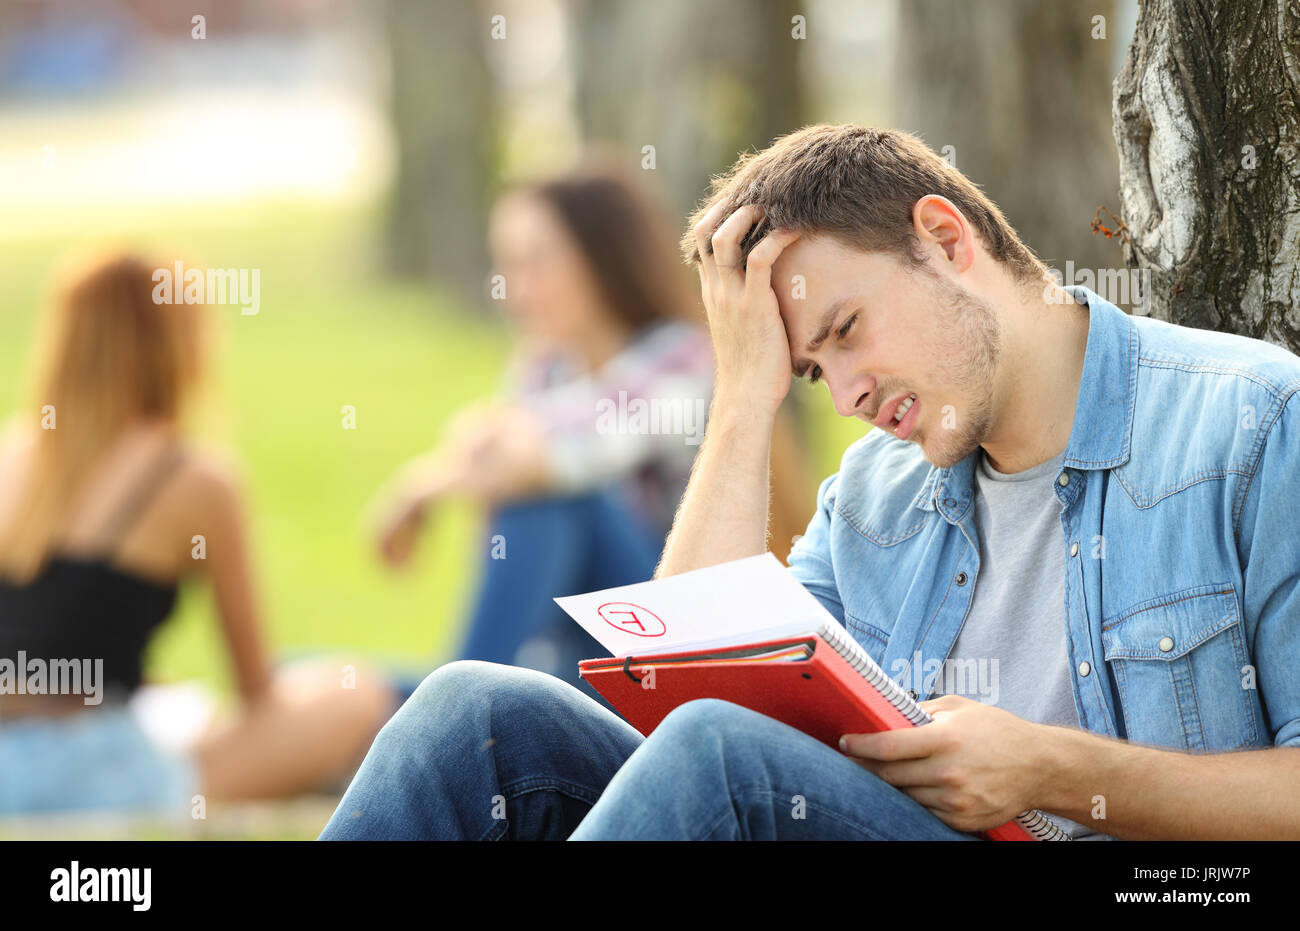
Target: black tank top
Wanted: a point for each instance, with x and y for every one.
(86, 608)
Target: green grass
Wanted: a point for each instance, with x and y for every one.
(330, 332)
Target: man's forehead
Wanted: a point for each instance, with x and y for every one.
(808, 278)
(816, 268)
(811, 249)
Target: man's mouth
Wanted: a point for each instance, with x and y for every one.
(894, 410)
(903, 408)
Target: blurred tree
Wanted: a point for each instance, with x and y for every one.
(700, 82)
(1206, 111)
(443, 109)
(1020, 90)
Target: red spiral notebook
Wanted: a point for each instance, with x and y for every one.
(812, 675)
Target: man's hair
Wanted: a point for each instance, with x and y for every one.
(858, 184)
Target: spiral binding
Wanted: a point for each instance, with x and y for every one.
(1035, 823)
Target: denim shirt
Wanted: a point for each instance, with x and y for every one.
(1180, 526)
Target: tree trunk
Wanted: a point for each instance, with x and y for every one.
(1020, 90)
(1205, 115)
(699, 82)
(442, 105)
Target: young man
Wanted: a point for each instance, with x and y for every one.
(1094, 512)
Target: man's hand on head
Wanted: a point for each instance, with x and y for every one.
(749, 341)
(724, 513)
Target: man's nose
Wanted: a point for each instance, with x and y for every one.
(850, 397)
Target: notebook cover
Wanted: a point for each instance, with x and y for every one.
(823, 696)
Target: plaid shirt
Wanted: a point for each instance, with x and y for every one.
(634, 424)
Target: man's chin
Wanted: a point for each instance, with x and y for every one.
(944, 457)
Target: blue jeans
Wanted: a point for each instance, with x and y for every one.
(488, 752)
(96, 758)
(553, 546)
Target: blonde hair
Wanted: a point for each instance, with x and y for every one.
(109, 355)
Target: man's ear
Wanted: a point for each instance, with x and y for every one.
(937, 221)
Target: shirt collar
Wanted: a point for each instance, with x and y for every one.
(1103, 414)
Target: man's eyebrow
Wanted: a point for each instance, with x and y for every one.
(819, 336)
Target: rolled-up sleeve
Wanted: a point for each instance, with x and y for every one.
(1269, 547)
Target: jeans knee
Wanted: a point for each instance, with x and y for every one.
(703, 718)
(464, 684)
(455, 681)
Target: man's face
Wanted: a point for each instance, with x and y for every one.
(890, 331)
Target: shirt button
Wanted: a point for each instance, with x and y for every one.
(1166, 644)
(1074, 548)
(1084, 668)
(911, 693)
(950, 502)
(1063, 479)
(961, 578)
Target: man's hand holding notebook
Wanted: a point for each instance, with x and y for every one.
(747, 632)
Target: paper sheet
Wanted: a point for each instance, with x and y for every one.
(732, 602)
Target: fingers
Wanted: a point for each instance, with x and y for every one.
(703, 233)
(770, 248)
(718, 242)
(758, 268)
(391, 547)
(720, 246)
(705, 293)
(727, 238)
(933, 706)
(904, 774)
(911, 743)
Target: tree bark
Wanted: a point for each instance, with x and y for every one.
(1205, 117)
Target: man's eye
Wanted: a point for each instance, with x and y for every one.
(848, 325)
(815, 374)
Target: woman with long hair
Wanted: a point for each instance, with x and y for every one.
(105, 507)
(580, 464)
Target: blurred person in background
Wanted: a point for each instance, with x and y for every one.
(577, 499)
(102, 503)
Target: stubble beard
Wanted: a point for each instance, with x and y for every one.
(969, 361)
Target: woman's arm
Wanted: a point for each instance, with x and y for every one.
(227, 564)
(477, 458)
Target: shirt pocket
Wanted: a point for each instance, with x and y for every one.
(870, 637)
(1177, 662)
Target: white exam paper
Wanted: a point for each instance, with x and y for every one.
(754, 598)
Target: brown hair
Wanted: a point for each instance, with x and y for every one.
(858, 184)
(626, 240)
(110, 354)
